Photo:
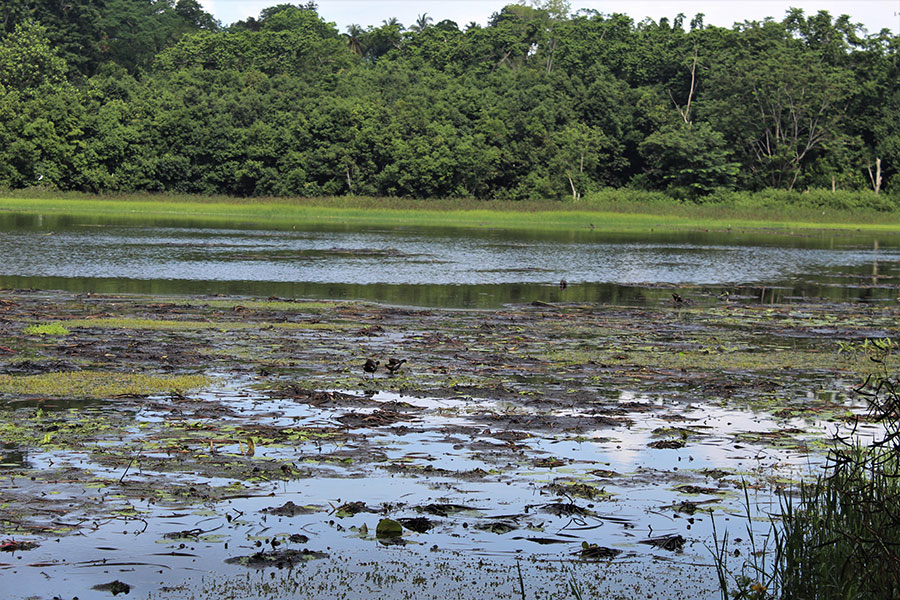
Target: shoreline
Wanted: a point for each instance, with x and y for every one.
(602, 216)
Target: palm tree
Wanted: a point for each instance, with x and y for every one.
(422, 23)
(390, 34)
(353, 33)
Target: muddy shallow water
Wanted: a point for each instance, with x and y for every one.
(237, 448)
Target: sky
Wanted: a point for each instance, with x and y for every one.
(872, 14)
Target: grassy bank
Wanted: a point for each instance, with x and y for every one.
(619, 211)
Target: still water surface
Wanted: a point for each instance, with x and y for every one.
(440, 267)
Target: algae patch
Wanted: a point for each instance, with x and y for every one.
(98, 384)
(53, 329)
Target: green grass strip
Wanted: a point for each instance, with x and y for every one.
(606, 213)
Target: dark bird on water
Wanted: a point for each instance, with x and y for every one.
(393, 365)
(371, 366)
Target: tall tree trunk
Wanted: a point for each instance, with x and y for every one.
(574, 191)
(686, 111)
(876, 180)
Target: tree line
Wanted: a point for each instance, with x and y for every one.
(156, 95)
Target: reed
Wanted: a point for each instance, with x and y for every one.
(842, 537)
(839, 538)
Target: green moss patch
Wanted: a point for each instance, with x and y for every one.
(46, 329)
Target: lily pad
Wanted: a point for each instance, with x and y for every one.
(388, 528)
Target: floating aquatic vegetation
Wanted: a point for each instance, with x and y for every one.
(673, 543)
(516, 433)
(279, 559)
(595, 552)
(289, 509)
(115, 587)
(388, 529)
(98, 384)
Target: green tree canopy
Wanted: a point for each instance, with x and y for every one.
(155, 95)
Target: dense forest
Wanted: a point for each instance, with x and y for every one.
(156, 95)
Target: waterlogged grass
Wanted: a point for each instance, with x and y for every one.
(619, 211)
(275, 305)
(43, 429)
(704, 357)
(705, 360)
(506, 379)
(713, 360)
(173, 325)
(94, 384)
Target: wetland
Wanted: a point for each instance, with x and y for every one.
(189, 442)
